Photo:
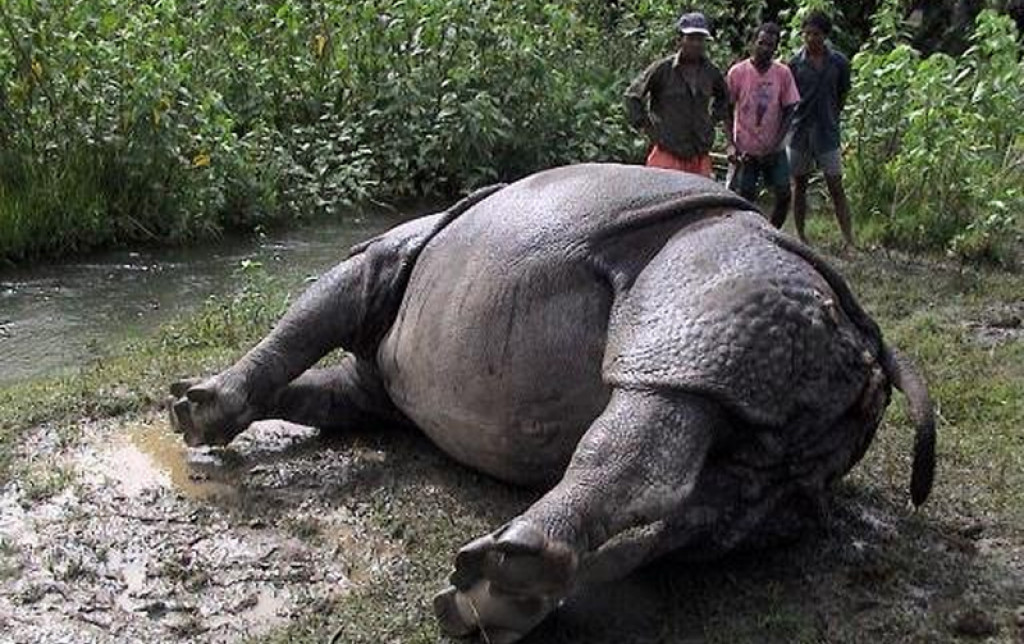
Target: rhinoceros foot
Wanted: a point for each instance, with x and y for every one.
(209, 412)
(505, 583)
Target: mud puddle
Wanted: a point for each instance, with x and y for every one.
(151, 541)
(998, 325)
(150, 456)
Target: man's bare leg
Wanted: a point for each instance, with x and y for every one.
(842, 206)
(800, 205)
(781, 207)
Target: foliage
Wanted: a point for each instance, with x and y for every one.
(935, 158)
(168, 120)
(796, 17)
(161, 120)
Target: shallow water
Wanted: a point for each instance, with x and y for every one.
(147, 456)
(59, 316)
(150, 455)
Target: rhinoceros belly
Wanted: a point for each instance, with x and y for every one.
(496, 352)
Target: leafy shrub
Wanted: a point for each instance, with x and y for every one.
(936, 159)
(165, 120)
(169, 120)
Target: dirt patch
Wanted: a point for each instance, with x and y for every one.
(150, 541)
(998, 325)
(292, 536)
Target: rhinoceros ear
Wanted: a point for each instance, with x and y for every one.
(201, 394)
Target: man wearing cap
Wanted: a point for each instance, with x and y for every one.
(823, 78)
(687, 96)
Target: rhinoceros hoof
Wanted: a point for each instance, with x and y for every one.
(518, 559)
(505, 583)
(207, 413)
(502, 618)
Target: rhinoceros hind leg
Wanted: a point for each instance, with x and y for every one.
(519, 559)
(635, 466)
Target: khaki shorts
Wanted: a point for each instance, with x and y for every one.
(803, 162)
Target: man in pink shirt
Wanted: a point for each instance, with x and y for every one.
(764, 98)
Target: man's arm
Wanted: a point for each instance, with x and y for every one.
(790, 98)
(732, 85)
(787, 121)
(636, 98)
(721, 109)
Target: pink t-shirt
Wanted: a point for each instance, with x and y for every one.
(758, 99)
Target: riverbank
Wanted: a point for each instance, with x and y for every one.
(61, 315)
(953, 569)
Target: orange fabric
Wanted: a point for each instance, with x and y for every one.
(659, 158)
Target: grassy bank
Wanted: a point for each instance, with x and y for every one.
(135, 377)
(879, 569)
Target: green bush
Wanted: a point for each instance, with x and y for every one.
(935, 154)
(166, 120)
(169, 120)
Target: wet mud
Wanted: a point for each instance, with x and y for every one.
(998, 325)
(150, 541)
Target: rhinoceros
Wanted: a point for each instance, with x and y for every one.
(671, 371)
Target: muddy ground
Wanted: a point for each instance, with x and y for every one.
(110, 531)
(147, 541)
(151, 542)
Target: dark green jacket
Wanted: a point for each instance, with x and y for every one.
(677, 116)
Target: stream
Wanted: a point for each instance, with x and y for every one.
(56, 317)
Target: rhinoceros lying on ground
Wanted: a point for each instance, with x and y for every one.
(685, 376)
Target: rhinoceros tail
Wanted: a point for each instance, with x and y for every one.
(922, 413)
(901, 370)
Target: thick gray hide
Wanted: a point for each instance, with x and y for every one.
(497, 349)
(723, 310)
(678, 374)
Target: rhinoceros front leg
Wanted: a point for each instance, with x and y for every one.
(338, 310)
(344, 396)
(636, 465)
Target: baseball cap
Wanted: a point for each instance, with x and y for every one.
(693, 23)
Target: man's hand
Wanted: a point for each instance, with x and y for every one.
(735, 156)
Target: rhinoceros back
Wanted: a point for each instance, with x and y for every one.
(724, 310)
